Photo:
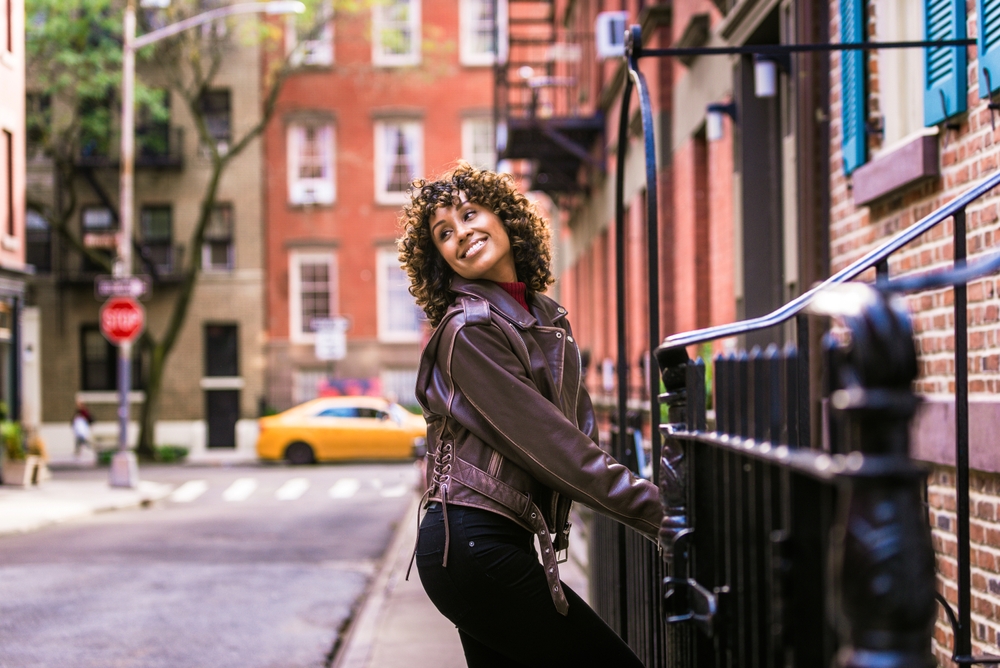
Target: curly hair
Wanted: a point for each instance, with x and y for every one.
(429, 273)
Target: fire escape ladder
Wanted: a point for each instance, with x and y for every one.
(544, 97)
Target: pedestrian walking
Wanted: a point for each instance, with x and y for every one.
(511, 433)
(81, 428)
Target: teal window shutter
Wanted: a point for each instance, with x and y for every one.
(852, 85)
(988, 45)
(945, 80)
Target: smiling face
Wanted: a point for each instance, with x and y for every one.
(474, 242)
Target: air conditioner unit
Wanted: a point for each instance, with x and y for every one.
(609, 30)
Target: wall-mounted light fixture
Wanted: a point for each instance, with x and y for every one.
(713, 118)
(765, 73)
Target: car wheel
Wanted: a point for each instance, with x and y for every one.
(300, 453)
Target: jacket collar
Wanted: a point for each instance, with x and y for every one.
(506, 305)
(498, 298)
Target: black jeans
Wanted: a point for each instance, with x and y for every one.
(494, 590)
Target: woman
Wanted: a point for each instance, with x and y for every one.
(511, 435)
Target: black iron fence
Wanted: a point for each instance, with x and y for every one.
(778, 550)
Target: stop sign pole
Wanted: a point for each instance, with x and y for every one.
(122, 321)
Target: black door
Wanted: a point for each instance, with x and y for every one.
(222, 409)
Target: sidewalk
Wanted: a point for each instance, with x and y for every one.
(397, 625)
(29, 508)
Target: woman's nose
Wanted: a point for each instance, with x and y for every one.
(462, 230)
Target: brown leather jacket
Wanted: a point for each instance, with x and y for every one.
(510, 426)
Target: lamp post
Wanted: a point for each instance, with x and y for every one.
(124, 470)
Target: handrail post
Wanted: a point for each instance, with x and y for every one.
(881, 550)
(963, 639)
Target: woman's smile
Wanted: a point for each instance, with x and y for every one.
(474, 242)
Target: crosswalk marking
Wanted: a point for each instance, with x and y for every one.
(345, 488)
(240, 490)
(395, 492)
(292, 489)
(189, 491)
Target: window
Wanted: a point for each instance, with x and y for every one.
(399, 317)
(156, 232)
(396, 33)
(316, 52)
(479, 147)
(988, 46)
(39, 243)
(222, 347)
(311, 292)
(306, 384)
(152, 132)
(99, 362)
(310, 164)
(217, 247)
(400, 385)
(479, 37)
(38, 120)
(399, 158)
(215, 106)
(99, 226)
(7, 181)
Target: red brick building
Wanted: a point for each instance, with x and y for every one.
(742, 202)
(386, 94)
(903, 144)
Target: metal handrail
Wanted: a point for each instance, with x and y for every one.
(869, 261)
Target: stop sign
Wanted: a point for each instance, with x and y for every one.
(122, 320)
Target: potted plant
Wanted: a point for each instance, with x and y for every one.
(19, 467)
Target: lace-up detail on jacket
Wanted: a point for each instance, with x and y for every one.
(440, 479)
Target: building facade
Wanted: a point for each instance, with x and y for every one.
(213, 381)
(910, 130)
(386, 94)
(18, 398)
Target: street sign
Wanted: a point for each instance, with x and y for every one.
(121, 286)
(122, 320)
(331, 337)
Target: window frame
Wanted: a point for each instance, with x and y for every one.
(206, 250)
(230, 329)
(467, 24)
(379, 56)
(296, 259)
(222, 143)
(110, 363)
(324, 188)
(166, 242)
(469, 127)
(387, 259)
(382, 193)
(311, 52)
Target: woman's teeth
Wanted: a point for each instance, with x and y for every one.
(474, 248)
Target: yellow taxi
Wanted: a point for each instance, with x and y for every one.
(338, 428)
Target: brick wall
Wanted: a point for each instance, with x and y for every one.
(967, 154)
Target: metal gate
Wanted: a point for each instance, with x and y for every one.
(780, 551)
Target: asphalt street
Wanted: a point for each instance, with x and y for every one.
(249, 567)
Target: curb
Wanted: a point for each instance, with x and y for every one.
(24, 510)
(359, 638)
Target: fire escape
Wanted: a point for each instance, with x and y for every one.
(544, 98)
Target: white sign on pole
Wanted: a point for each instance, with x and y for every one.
(331, 338)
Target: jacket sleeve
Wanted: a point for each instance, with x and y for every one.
(503, 407)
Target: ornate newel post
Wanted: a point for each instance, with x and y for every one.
(882, 575)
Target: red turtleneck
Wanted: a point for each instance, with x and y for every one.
(516, 290)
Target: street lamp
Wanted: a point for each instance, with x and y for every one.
(124, 470)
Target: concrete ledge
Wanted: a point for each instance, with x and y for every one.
(932, 433)
(912, 162)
